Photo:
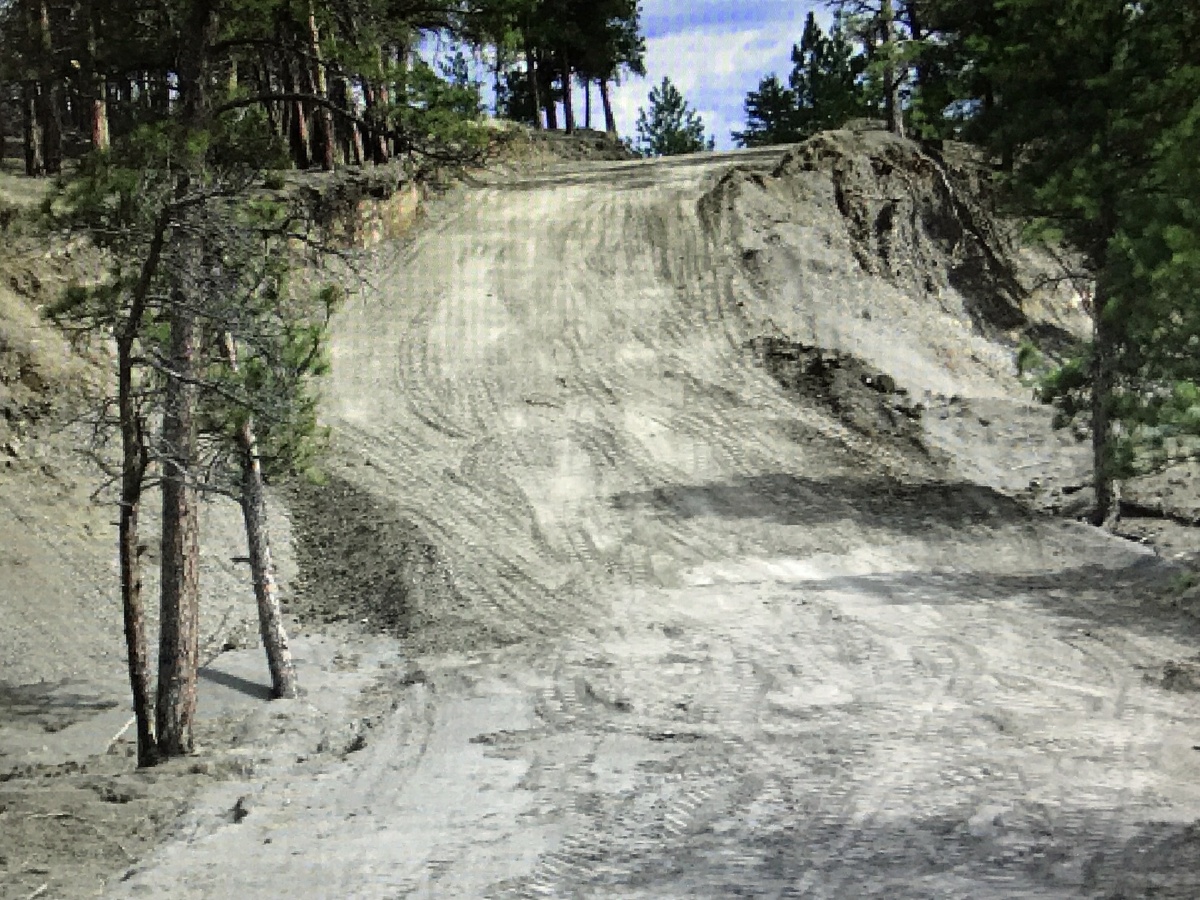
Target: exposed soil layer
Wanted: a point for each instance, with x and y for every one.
(362, 561)
(864, 398)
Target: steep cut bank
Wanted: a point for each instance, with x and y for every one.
(863, 244)
(557, 341)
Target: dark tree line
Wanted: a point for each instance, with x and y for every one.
(338, 83)
(542, 49)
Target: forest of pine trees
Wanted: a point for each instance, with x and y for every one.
(337, 83)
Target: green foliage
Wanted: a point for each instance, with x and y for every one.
(670, 126)
(824, 91)
(1030, 359)
(514, 99)
(771, 115)
(434, 111)
(244, 139)
(1184, 582)
(119, 197)
(1091, 110)
(1067, 388)
(826, 78)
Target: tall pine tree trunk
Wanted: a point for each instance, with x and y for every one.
(568, 100)
(535, 88)
(35, 162)
(134, 462)
(1106, 509)
(49, 97)
(891, 75)
(254, 514)
(349, 141)
(179, 615)
(587, 104)
(297, 121)
(399, 91)
(99, 115)
(546, 81)
(375, 140)
(324, 134)
(99, 100)
(178, 648)
(133, 470)
(610, 121)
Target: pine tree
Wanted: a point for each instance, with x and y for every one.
(882, 27)
(670, 126)
(824, 91)
(1093, 108)
(825, 79)
(771, 115)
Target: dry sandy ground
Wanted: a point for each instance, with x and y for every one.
(701, 501)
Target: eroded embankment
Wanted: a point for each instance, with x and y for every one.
(557, 340)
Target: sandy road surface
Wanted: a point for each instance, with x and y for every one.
(690, 636)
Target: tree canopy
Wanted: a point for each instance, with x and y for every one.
(824, 90)
(669, 126)
(337, 82)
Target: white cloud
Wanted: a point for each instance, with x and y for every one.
(670, 16)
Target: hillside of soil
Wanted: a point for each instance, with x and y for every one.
(688, 532)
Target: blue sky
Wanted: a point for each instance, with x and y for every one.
(714, 51)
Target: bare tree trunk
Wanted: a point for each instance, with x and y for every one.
(375, 97)
(133, 470)
(35, 163)
(276, 112)
(497, 81)
(891, 79)
(587, 104)
(99, 99)
(568, 99)
(535, 90)
(324, 150)
(399, 91)
(355, 146)
(134, 461)
(179, 616)
(358, 146)
(1102, 389)
(610, 121)
(99, 117)
(547, 84)
(49, 98)
(297, 124)
(254, 513)
(178, 653)
(916, 30)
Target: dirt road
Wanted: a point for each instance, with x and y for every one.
(679, 629)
